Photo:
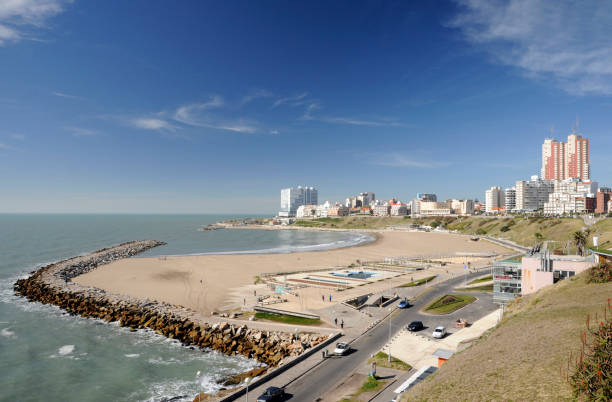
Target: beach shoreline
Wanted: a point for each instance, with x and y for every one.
(226, 282)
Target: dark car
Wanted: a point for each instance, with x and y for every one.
(415, 326)
(404, 304)
(272, 394)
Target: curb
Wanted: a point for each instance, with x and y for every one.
(268, 376)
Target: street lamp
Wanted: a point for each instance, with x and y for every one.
(389, 357)
(247, 381)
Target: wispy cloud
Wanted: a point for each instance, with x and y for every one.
(565, 42)
(82, 132)
(197, 115)
(152, 123)
(295, 100)
(395, 159)
(189, 114)
(309, 111)
(18, 136)
(359, 122)
(6, 147)
(257, 94)
(67, 96)
(19, 16)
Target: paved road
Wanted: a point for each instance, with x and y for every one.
(331, 372)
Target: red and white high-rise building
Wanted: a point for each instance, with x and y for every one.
(564, 160)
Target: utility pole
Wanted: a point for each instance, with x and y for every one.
(389, 357)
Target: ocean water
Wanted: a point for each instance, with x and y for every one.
(45, 354)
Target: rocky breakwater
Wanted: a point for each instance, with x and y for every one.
(53, 284)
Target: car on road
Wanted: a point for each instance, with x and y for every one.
(341, 348)
(404, 304)
(272, 394)
(415, 326)
(439, 332)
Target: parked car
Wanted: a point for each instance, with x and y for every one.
(341, 348)
(415, 326)
(439, 332)
(404, 304)
(272, 394)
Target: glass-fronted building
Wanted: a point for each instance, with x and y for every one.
(507, 277)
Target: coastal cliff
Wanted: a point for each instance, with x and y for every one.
(52, 284)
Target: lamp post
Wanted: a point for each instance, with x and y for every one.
(389, 357)
(247, 381)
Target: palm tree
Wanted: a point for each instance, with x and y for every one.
(580, 240)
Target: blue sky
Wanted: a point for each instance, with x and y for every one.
(151, 106)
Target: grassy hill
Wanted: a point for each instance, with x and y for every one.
(523, 230)
(522, 357)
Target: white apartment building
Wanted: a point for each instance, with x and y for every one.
(362, 200)
(381, 210)
(306, 211)
(399, 210)
(533, 194)
(571, 196)
(494, 200)
(294, 197)
(510, 199)
(461, 207)
(433, 208)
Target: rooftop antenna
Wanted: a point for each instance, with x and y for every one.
(577, 123)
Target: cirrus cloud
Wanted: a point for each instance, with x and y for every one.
(563, 41)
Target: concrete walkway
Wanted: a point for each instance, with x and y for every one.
(418, 350)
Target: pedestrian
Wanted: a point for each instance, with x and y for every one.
(342, 324)
(244, 301)
(336, 321)
(330, 298)
(323, 297)
(254, 293)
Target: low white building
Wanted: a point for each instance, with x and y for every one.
(381, 210)
(399, 210)
(306, 211)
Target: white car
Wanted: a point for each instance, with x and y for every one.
(341, 348)
(439, 332)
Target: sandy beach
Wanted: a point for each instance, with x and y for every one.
(206, 283)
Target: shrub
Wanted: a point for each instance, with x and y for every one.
(592, 377)
(600, 273)
(504, 228)
(481, 232)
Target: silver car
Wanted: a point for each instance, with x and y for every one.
(439, 332)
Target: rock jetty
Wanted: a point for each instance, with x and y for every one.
(52, 284)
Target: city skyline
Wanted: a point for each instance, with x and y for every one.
(212, 107)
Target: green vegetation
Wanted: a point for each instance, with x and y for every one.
(288, 319)
(592, 371)
(382, 360)
(418, 282)
(602, 273)
(483, 288)
(520, 229)
(449, 303)
(526, 356)
(371, 384)
(480, 280)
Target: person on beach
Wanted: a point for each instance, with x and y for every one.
(342, 324)
(323, 298)
(336, 321)
(330, 298)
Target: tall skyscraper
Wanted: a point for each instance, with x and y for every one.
(292, 198)
(494, 199)
(565, 160)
